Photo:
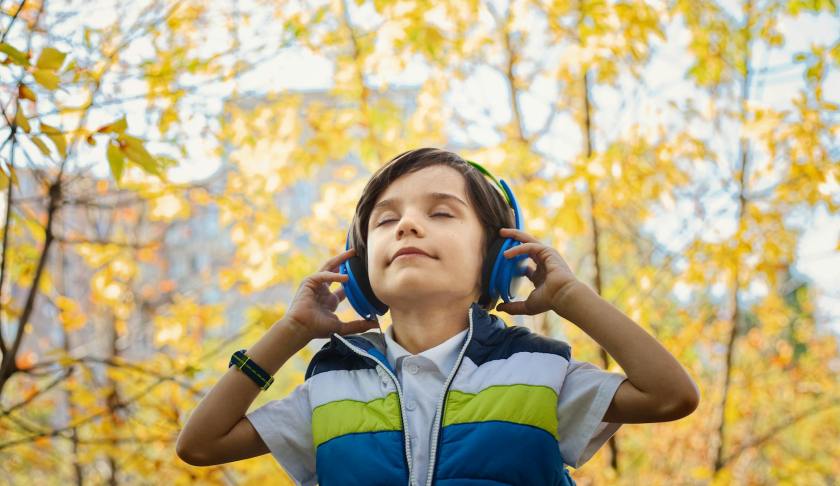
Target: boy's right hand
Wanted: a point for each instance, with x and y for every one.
(312, 309)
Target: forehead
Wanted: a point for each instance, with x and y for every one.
(437, 182)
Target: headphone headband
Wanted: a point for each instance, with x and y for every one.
(488, 174)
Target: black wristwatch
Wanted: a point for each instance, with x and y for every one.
(252, 369)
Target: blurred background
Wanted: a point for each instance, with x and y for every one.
(171, 171)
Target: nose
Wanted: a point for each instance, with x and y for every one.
(408, 223)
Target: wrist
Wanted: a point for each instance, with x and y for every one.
(294, 331)
(282, 341)
(566, 295)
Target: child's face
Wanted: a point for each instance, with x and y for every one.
(448, 230)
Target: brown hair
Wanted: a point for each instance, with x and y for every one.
(491, 207)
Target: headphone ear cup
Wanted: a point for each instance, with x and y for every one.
(488, 293)
(507, 272)
(363, 293)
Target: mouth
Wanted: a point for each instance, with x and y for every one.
(410, 251)
(410, 255)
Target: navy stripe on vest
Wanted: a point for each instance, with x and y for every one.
(493, 340)
(334, 355)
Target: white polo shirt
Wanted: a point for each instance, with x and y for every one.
(422, 377)
(285, 425)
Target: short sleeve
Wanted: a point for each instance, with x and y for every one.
(585, 396)
(285, 426)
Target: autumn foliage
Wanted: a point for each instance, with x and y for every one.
(674, 152)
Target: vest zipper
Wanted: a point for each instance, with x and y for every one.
(358, 351)
(439, 411)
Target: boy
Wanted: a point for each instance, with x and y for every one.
(448, 394)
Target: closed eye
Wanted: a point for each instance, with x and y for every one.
(436, 214)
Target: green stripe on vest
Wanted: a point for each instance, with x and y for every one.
(534, 405)
(342, 417)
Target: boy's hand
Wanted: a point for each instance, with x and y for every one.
(311, 312)
(552, 277)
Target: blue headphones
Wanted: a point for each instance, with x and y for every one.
(500, 276)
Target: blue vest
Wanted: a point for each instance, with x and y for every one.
(495, 424)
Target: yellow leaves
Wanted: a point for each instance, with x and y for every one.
(13, 54)
(116, 160)
(568, 215)
(169, 334)
(762, 123)
(65, 360)
(701, 472)
(186, 318)
(200, 196)
(168, 207)
(796, 7)
(41, 145)
(71, 316)
(20, 119)
(104, 288)
(45, 70)
(24, 92)
(47, 79)
(119, 126)
(122, 147)
(57, 138)
(784, 354)
(134, 150)
(50, 59)
(168, 117)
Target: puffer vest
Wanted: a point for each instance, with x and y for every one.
(496, 422)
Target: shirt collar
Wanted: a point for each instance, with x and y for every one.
(443, 355)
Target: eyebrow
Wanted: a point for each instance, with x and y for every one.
(431, 195)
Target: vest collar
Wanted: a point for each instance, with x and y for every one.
(373, 342)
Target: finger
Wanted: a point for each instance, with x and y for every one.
(529, 272)
(532, 249)
(517, 234)
(513, 308)
(339, 294)
(360, 325)
(335, 261)
(328, 277)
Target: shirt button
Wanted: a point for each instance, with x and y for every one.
(412, 368)
(411, 405)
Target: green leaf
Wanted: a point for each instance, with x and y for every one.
(50, 59)
(116, 160)
(45, 78)
(15, 55)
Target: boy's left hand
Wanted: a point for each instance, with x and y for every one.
(552, 277)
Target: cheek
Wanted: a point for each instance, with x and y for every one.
(374, 252)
